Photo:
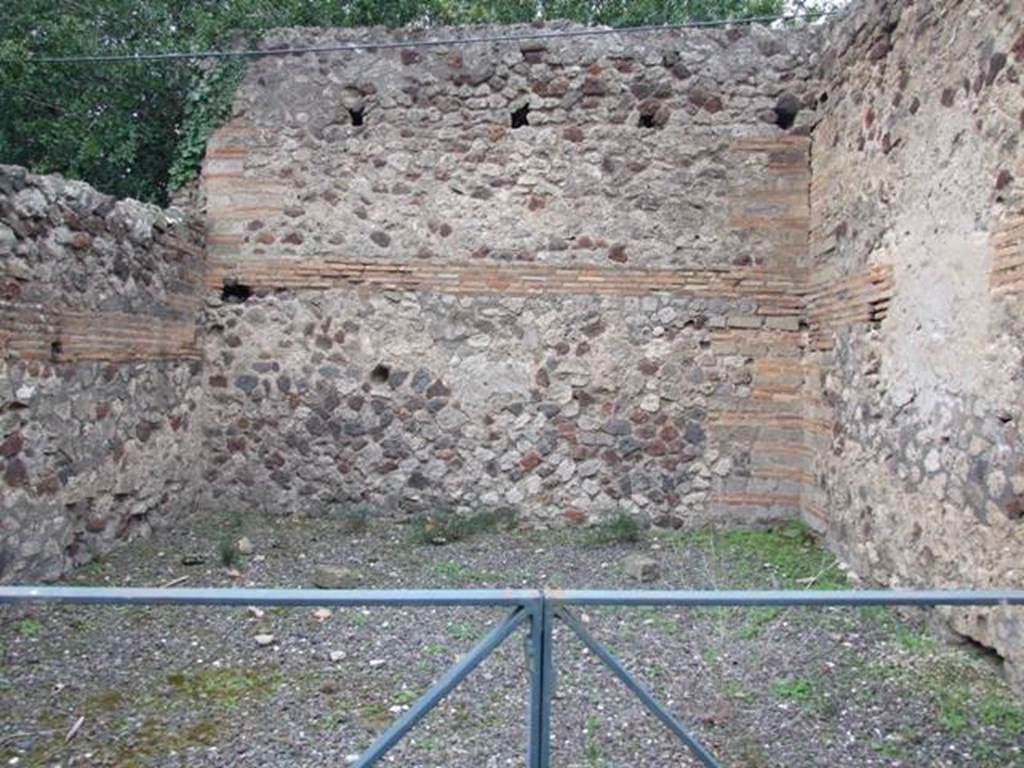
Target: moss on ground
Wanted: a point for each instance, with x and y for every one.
(225, 687)
(788, 557)
(191, 711)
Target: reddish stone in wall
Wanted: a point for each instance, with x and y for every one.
(647, 367)
(12, 446)
(1018, 49)
(573, 134)
(49, 484)
(575, 516)
(15, 474)
(533, 52)
(530, 461)
(80, 241)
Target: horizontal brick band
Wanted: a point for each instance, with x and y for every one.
(775, 294)
(758, 501)
(32, 332)
(860, 298)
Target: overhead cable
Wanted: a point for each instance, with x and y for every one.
(369, 46)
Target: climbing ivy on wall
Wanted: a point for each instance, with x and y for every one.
(139, 129)
(207, 106)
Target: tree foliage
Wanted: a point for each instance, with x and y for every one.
(138, 129)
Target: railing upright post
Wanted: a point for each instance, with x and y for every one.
(541, 679)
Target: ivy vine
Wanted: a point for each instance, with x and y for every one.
(207, 107)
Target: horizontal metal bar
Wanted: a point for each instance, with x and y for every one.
(699, 750)
(455, 675)
(820, 598)
(501, 597)
(286, 597)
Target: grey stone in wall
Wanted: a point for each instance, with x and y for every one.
(560, 407)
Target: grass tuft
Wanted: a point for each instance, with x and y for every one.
(351, 519)
(29, 628)
(618, 528)
(227, 687)
(595, 756)
(227, 552)
(793, 689)
(444, 524)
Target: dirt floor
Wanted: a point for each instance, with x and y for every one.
(171, 686)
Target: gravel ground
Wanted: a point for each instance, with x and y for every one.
(171, 686)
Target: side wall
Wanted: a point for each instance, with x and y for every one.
(99, 370)
(916, 362)
(595, 309)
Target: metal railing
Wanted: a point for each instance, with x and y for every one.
(540, 608)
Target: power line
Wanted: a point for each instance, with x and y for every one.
(391, 44)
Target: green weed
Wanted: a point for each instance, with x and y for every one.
(450, 571)
(1000, 711)
(226, 687)
(914, 641)
(757, 619)
(375, 715)
(351, 519)
(28, 628)
(458, 630)
(889, 749)
(657, 619)
(711, 656)
(618, 528)
(794, 689)
(737, 691)
(227, 552)
(786, 557)
(594, 752)
(445, 524)
(406, 696)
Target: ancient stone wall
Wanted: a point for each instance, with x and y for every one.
(915, 363)
(99, 365)
(713, 274)
(558, 275)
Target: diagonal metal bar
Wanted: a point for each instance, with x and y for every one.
(641, 693)
(441, 688)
